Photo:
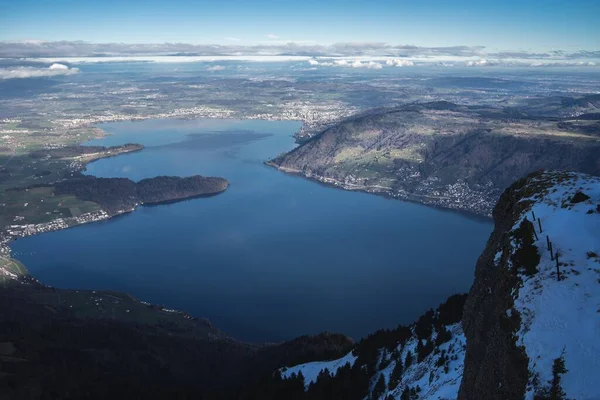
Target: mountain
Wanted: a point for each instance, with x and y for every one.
(527, 329)
(450, 155)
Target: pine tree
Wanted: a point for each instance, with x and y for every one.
(558, 368)
(405, 394)
(379, 388)
(409, 360)
(420, 351)
(396, 375)
(301, 377)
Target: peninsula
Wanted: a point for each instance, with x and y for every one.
(46, 190)
(118, 195)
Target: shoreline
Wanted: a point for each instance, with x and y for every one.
(409, 197)
(88, 218)
(79, 164)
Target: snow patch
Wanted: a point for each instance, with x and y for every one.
(436, 382)
(311, 370)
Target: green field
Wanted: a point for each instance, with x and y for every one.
(39, 205)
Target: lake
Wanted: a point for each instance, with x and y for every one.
(275, 256)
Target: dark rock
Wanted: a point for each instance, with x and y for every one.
(579, 197)
(495, 367)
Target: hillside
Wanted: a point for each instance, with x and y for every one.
(74, 344)
(522, 333)
(117, 195)
(449, 155)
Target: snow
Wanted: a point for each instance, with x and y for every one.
(443, 385)
(563, 317)
(311, 370)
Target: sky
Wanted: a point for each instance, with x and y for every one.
(528, 25)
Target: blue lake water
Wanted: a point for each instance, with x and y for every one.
(275, 256)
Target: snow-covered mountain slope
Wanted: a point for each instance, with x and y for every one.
(435, 377)
(525, 333)
(529, 333)
(423, 361)
(310, 371)
(560, 306)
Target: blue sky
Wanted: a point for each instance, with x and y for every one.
(531, 25)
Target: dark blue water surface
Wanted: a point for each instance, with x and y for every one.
(276, 255)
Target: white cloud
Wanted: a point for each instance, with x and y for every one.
(399, 62)
(272, 36)
(353, 63)
(169, 59)
(480, 63)
(58, 67)
(34, 72)
(215, 68)
(273, 45)
(368, 64)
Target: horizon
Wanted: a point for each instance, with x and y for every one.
(349, 54)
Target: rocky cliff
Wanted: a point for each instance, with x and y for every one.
(535, 303)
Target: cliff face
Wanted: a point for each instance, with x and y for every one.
(532, 317)
(495, 368)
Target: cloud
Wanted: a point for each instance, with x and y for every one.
(477, 63)
(398, 62)
(272, 47)
(490, 63)
(162, 59)
(36, 72)
(368, 64)
(350, 63)
(282, 50)
(215, 68)
(58, 67)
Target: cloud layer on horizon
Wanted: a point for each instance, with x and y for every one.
(36, 72)
(85, 49)
(22, 58)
